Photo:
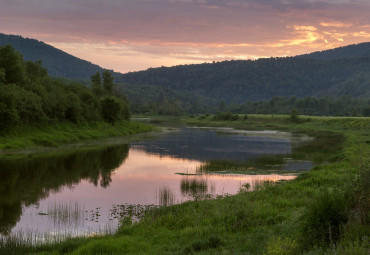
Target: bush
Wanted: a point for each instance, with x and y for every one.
(110, 109)
(222, 116)
(324, 218)
(294, 115)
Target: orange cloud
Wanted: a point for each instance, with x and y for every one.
(335, 24)
(136, 34)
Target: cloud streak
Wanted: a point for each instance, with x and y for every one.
(146, 32)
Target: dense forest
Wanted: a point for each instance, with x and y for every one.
(332, 82)
(350, 51)
(57, 62)
(29, 96)
(327, 106)
(257, 80)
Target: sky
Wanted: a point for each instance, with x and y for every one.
(131, 35)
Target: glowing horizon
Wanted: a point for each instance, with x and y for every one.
(133, 35)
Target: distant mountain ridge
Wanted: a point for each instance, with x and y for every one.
(336, 72)
(57, 62)
(350, 51)
(239, 81)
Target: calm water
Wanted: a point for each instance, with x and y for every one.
(82, 191)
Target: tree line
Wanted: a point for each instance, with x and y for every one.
(156, 100)
(262, 79)
(28, 95)
(326, 106)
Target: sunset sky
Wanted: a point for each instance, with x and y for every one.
(130, 35)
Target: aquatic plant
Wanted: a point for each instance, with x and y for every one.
(165, 196)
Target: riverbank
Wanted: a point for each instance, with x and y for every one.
(323, 211)
(66, 133)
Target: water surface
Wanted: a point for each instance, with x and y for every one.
(80, 191)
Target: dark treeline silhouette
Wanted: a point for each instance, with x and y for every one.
(327, 106)
(350, 51)
(29, 96)
(171, 102)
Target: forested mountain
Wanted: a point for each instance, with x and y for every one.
(350, 51)
(57, 62)
(257, 80)
(201, 88)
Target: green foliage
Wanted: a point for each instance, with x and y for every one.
(225, 116)
(111, 109)
(222, 106)
(28, 96)
(251, 84)
(61, 133)
(294, 115)
(268, 220)
(261, 79)
(108, 82)
(279, 246)
(12, 63)
(366, 111)
(327, 106)
(96, 84)
(325, 218)
(2, 76)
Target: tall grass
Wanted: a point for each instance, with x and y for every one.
(65, 133)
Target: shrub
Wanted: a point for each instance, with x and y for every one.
(222, 116)
(110, 109)
(294, 115)
(324, 218)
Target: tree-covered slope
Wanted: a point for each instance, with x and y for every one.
(28, 96)
(350, 51)
(328, 73)
(57, 62)
(255, 80)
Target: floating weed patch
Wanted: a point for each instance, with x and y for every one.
(134, 211)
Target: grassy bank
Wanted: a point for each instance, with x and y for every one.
(66, 133)
(323, 211)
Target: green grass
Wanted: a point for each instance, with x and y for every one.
(277, 218)
(66, 133)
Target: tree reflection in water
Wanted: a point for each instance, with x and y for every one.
(27, 180)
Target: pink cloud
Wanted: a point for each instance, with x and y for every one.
(186, 31)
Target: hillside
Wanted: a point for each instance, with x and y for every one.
(262, 79)
(350, 51)
(336, 72)
(57, 62)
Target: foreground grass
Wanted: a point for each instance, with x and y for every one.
(323, 211)
(66, 133)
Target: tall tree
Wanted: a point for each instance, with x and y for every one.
(96, 84)
(2, 76)
(12, 62)
(108, 81)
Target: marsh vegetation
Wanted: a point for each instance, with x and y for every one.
(264, 217)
